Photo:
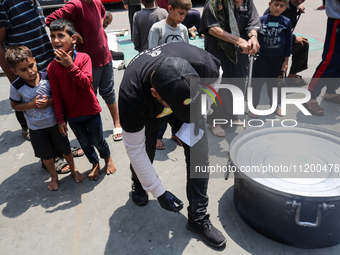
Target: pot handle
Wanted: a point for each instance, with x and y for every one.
(227, 173)
(317, 222)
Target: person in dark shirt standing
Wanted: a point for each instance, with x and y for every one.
(300, 44)
(276, 46)
(224, 34)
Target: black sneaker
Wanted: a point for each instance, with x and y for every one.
(139, 195)
(211, 235)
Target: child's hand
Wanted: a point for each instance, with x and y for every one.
(33, 102)
(63, 58)
(63, 128)
(42, 102)
(284, 67)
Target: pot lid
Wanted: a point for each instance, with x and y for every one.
(302, 160)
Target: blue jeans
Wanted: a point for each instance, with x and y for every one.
(89, 134)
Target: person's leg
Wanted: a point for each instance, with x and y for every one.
(80, 130)
(44, 149)
(23, 123)
(329, 66)
(160, 144)
(274, 74)
(233, 74)
(62, 146)
(197, 185)
(331, 87)
(152, 127)
(103, 79)
(95, 130)
(117, 55)
(175, 138)
(132, 10)
(49, 163)
(299, 61)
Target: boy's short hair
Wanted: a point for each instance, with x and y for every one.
(16, 54)
(182, 4)
(107, 14)
(149, 1)
(64, 25)
(285, 1)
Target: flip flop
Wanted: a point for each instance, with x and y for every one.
(335, 99)
(75, 151)
(117, 131)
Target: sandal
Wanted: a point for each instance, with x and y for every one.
(335, 99)
(314, 108)
(117, 134)
(59, 165)
(76, 151)
(26, 135)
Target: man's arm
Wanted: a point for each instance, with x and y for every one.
(3, 63)
(135, 148)
(66, 12)
(225, 36)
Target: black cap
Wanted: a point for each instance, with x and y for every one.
(171, 80)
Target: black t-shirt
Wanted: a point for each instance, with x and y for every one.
(135, 100)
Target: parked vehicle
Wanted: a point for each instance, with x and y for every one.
(52, 3)
(45, 4)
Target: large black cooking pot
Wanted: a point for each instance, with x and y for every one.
(300, 208)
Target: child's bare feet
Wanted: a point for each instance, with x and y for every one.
(94, 175)
(78, 177)
(53, 185)
(110, 166)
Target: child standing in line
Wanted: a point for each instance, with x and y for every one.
(31, 93)
(87, 17)
(70, 75)
(276, 47)
(170, 30)
(143, 21)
